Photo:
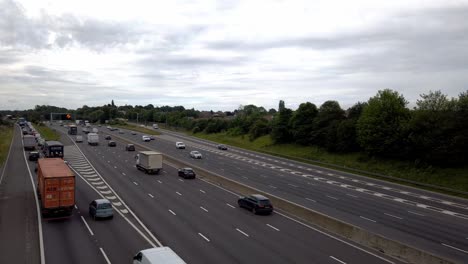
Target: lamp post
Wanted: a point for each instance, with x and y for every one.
(137, 118)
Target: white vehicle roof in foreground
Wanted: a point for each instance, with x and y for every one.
(162, 255)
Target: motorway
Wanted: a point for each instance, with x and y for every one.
(430, 221)
(200, 221)
(19, 231)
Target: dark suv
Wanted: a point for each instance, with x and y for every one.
(257, 203)
(222, 147)
(130, 147)
(112, 144)
(187, 173)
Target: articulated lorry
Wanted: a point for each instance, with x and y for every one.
(149, 161)
(55, 187)
(29, 142)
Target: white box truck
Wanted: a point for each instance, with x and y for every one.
(93, 139)
(160, 255)
(149, 161)
(29, 142)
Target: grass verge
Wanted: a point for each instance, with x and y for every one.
(47, 133)
(143, 130)
(453, 178)
(6, 134)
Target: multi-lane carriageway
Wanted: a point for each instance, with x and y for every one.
(202, 223)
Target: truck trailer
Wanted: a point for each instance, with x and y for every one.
(72, 130)
(55, 187)
(149, 161)
(29, 142)
(93, 139)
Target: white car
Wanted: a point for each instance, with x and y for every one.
(195, 154)
(79, 139)
(180, 145)
(146, 138)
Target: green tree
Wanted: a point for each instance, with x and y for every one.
(381, 129)
(281, 130)
(346, 138)
(325, 124)
(302, 123)
(259, 128)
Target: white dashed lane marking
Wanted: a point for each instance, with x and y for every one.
(242, 232)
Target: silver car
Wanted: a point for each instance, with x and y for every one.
(101, 208)
(195, 154)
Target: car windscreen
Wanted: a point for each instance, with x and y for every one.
(264, 202)
(104, 206)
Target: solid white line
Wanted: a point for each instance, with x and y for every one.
(464, 251)
(235, 207)
(135, 183)
(331, 197)
(242, 232)
(178, 193)
(204, 237)
(105, 256)
(172, 212)
(9, 151)
(86, 224)
(150, 195)
(342, 262)
(393, 216)
(126, 206)
(202, 191)
(308, 199)
(411, 212)
(335, 238)
(38, 211)
(273, 227)
(351, 195)
(203, 209)
(368, 219)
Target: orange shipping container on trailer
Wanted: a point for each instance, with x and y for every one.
(56, 187)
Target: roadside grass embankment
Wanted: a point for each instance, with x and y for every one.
(6, 135)
(400, 171)
(141, 129)
(47, 133)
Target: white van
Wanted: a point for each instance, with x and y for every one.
(155, 126)
(160, 255)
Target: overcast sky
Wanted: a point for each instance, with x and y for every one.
(217, 55)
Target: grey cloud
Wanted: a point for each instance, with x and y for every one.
(16, 29)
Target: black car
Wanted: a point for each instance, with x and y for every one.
(222, 147)
(130, 147)
(257, 203)
(33, 156)
(107, 137)
(112, 144)
(187, 173)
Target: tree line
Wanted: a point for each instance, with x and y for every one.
(435, 132)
